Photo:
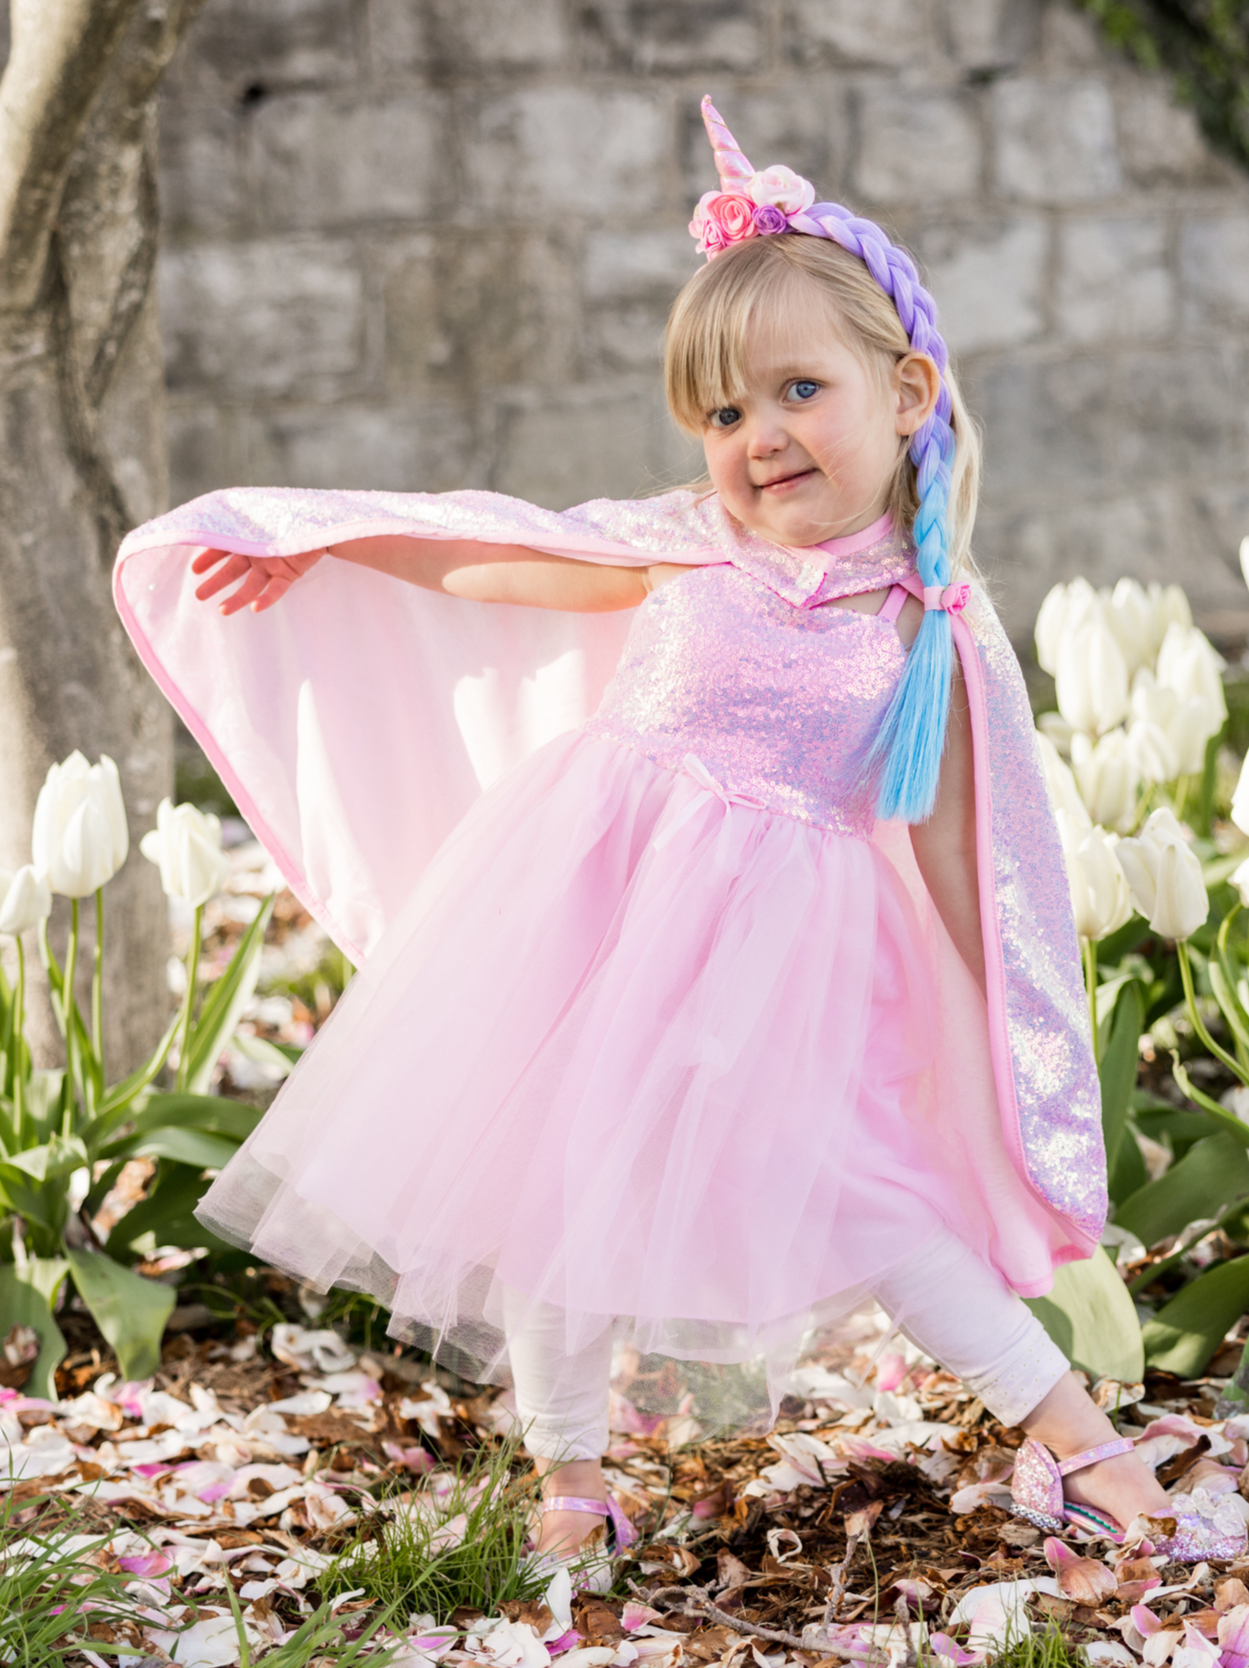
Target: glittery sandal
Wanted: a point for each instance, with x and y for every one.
(1206, 1526)
(590, 1568)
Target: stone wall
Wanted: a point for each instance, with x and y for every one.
(422, 244)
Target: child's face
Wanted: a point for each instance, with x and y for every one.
(809, 450)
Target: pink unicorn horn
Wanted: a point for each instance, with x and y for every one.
(731, 165)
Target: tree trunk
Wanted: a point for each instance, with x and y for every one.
(82, 445)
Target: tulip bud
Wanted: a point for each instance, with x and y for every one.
(24, 902)
(1060, 783)
(1169, 607)
(186, 846)
(1107, 778)
(1240, 799)
(1165, 876)
(80, 838)
(1152, 754)
(1100, 898)
(1091, 679)
(1056, 728)
(1128, 613)
(1189, 664)
(1066, 609)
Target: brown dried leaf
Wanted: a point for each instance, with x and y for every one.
(1228, 1594)
(861, 1523)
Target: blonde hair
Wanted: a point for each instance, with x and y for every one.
(709, 328)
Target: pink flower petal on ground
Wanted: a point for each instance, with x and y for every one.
(1196, 1651)
(856, 1448)
(945, 1649)
(566, 1642)
(1233, 1636)
(152, 1468)
(891, 1371)
(147, 1564)
(1082, 1580)
(417, 1460)
(635, 1615)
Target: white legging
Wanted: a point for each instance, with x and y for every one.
(949, 1303)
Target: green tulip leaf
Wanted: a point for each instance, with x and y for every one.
(213, 1114)
(225, 1002)
(1205, 1181)
(168, 1213)
(60, 1156)
(184, 1146)
(1187, 1331)
(129, 1309)
(116, 1103)
(26, 1298)
(1092, 1319)
(1117, 1069)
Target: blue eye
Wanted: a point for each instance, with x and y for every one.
(804, 389)
(725, 417)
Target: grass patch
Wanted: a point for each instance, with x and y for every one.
(456, 1540)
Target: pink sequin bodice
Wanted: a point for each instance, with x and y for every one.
(779, 703)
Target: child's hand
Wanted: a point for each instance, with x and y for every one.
(265, 579)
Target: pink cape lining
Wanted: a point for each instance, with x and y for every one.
(357, 721)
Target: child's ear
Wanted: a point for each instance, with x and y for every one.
(917, 386)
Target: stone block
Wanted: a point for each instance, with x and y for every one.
(399, 38)
(988, 282)
(1181, 412)
(804, 123)
(602, 441)
(273, 317)
(496, 34)
(885, 32)
(1047, 427)
(385, 448)
(473, 309)
(916, 147)
(1214, 271)
(652, 37)
(989, 34)
(204, 449)
(1055, 140)
(1114, 280)
(1159, 140)
(322, 163)
(562, 149)
(638, 266)
(203, 175)
(250, 48)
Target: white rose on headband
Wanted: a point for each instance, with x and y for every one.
(781, 187)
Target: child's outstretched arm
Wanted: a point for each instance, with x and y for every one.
(460, 568)
(945, 845)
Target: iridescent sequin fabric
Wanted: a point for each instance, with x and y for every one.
(778, 702)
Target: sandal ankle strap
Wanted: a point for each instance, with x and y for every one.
(1090, 1456)
(574, 1503)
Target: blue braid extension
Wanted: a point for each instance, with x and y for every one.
(909, 745)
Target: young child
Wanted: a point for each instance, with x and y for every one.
(749, 995)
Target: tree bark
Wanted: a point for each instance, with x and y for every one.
(82, 445)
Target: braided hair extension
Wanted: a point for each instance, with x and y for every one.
(909, 745)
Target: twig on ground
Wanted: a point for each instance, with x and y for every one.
(837, 1591)
(695, 1602)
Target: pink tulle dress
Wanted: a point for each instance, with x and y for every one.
(652, 1039)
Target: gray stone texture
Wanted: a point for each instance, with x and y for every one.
(432, 243)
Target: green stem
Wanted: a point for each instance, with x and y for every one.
(19, 1023)
(188, 1003)
(68, 1005)
(1190, 1001)
(97, 985)
(1090, 984)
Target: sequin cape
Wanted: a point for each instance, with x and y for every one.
(355, 722)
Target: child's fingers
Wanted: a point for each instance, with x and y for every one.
(237, 567)
(273, 592)
(247, 592)
(208, 559)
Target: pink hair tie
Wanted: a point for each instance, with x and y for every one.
(952, 598)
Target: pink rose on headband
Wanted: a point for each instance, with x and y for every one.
(782, 188)
(769, 220)
(732, 215)
(710, 234)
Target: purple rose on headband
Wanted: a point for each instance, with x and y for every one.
(782, 188)
(769, 220)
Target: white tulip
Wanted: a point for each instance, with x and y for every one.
(1107, 778)
(1189, 664)
(1165, 876)
(1060, 783)
(25, 900)
(1128, 613)
(186, 846)
(1169, 606)
(1100, 897)
(1151, 751)
(1091, 678)
(1240, 799)
(1186, 723)
(1240, 876)
(80, 838)
(1056, 728)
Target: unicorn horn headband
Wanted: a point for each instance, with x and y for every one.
(766, 203)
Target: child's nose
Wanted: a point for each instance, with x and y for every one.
(766, 439)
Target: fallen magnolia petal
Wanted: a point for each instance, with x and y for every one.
(996, 1613)
(635, 1615)
(1233, 1634)
(558, 1600)
(1083, 1580)
(417, 1460)
(1109, 1653)
(1230, 1594)
(309, 1351)
(1195, 1650)
(589, 1656)
(946, 1650)
(975, 1495)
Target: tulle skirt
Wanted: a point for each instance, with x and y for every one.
(627, 1050)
